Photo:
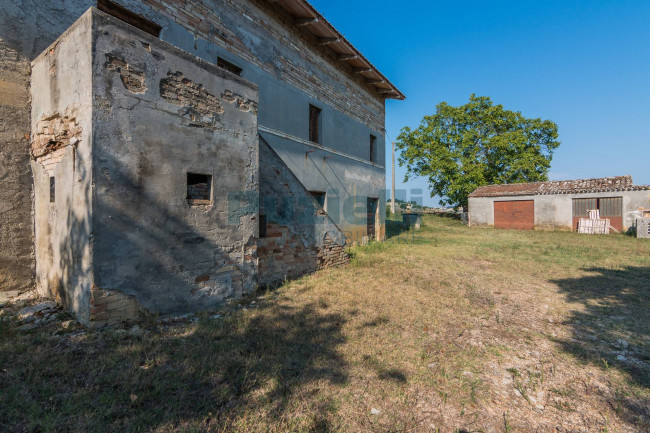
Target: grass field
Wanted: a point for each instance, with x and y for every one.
(453, 330)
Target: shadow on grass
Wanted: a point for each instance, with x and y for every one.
(613, 331)
(395, 228)
(207, 376)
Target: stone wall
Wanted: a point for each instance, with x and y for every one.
(300, 237)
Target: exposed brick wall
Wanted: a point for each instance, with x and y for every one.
(109, 307)
(279, 48)
(200, 108)
(282, 255)
(133, 79)
(53, 134)
(331, 254)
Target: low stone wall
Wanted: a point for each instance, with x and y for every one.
(643, 228)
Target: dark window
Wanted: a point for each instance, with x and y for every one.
(199, 188)
(319, 197)
(582, 206)
(52, 190)
(314, 124)
(609, 207)
(129, 17)
(262, 226)
(225, 64)
(373, 150)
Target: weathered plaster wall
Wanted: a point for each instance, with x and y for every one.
(290, 70)
(556, 211)
(300, 236)
(16, 246)
(27, 27)
(160, 113)
(61, 149)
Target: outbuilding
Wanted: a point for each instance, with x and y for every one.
(559, 204)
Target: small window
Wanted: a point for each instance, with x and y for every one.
(373, 150)
(319, 197)
(199, 188)
(262, 226)
(314, 124)
(52, 189)
(225, 64)
(122, 13)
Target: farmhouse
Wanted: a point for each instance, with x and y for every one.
(163, 156)
(559, 204)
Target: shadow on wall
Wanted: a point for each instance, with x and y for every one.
(144, 247)
(613, 330)
(241, 366)
(150, 248)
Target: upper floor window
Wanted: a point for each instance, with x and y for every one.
(122, 13)
(314, 124)
(231, 67)
(373, 148)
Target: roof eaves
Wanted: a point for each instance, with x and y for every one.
(556, 188)
(392, 92)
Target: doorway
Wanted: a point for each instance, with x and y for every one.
(610, 208)
(372, 205)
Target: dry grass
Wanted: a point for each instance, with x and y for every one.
(462, 330)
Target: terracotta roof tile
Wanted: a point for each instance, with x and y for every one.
(580, 186)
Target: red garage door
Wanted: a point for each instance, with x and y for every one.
(516, 215)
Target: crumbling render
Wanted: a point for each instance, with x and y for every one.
(201, 108)
(132, 79)
(243, 104)
(54, 134)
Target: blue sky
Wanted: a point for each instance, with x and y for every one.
(582, 64)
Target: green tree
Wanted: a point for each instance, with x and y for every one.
(461, 148)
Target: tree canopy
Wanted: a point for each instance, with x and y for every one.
(459, 149)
